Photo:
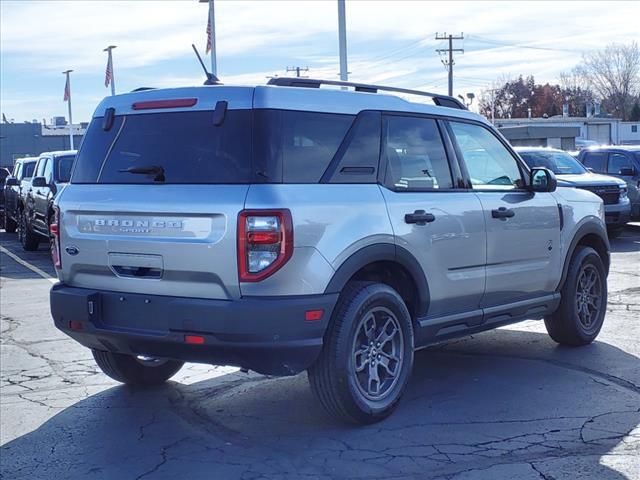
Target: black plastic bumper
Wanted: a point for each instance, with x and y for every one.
(615, 219)
(266, 334)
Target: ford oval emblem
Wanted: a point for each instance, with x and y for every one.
(72, 250)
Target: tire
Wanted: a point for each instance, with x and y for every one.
(10, 225)
(615, 232)
(28, 239)
(580, 316)
(352, 396)
(132, 371)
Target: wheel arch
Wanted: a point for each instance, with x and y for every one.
(390, 264)
(591, 234)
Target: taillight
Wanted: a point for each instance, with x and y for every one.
(265, 243)
(54, 230)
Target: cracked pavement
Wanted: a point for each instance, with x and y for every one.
(498, 405)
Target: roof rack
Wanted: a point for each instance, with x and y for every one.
(438, 99)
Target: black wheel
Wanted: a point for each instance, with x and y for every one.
(367, 355)
(10, 225)
(28, 239)
(136, 370)
(580, 316)
(615, 232)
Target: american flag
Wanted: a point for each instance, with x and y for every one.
(108, 74)
(67, 90)
(208, 35)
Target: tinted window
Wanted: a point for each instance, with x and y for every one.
(618, 161)
(416, 158)
(48, 170)
(489, 163)
(595, 160)
(357, 158)
(27, 169)
(309, 142)
(64, 165)
(186, 145)
(40, 167)
(558, 162)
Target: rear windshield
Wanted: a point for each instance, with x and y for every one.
(27, 169)
(64, 166)
(558, 162)
(178, 147)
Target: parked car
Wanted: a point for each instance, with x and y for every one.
(612, 191)
(22, 172)
(290, 227)
(621, 161)
(51, 174)
(4, 174)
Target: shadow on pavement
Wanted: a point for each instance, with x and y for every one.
(507, 397)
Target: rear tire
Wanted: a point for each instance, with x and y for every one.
(132, 371)
(367, 355)
(580, 316)
(28, 239)
(10, 226)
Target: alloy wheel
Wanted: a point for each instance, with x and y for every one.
(588, 296)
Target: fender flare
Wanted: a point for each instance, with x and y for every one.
(383, 252)
(587, 228)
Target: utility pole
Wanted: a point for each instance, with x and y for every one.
(297, 70)
(449, 63)
(342, 40)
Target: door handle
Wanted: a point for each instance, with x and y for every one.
(502, 212)
(419, 217)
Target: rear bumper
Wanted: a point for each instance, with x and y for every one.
(266, 334)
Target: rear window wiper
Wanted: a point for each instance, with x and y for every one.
(146, 170)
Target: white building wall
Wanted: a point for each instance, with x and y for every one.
(627, 135)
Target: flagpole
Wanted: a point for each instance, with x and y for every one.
(68, 86)
(110, 63)
(212, 19)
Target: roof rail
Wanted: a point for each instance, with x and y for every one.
(438, 99)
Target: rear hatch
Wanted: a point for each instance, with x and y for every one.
(154, 197)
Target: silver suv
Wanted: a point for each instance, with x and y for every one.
(289, 227)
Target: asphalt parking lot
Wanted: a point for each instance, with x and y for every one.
(499, 405)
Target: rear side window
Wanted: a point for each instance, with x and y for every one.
(416, 158)
(63, 169)
(489, 163)
(595, 161)
(178, 147)
(27, 169)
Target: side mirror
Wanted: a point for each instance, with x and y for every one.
(12, 182)
(627, 171)
(542, 180)
(39, 182)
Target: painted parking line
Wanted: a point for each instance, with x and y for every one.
(26, 264)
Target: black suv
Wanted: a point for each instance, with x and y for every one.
(13, 192)
(52, 172)
(622, 161)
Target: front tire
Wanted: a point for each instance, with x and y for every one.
(367, 356)
(134, 371)
(580, 316)
(10, 225)
(27, 237)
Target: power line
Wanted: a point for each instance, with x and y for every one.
(448, 63)
(519, 45)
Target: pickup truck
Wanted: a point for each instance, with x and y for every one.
(52, 173)
(13, 192)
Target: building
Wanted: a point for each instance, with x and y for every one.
(30, 139)
(629, 133)
(602, 130)
(541, 136)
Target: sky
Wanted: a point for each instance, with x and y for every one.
(389, 42)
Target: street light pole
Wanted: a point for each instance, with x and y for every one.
(342, 40)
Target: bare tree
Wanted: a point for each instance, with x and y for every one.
(614, 74)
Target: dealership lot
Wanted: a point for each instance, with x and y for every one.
(503, 404)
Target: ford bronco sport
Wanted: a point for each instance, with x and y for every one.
(292, 227)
